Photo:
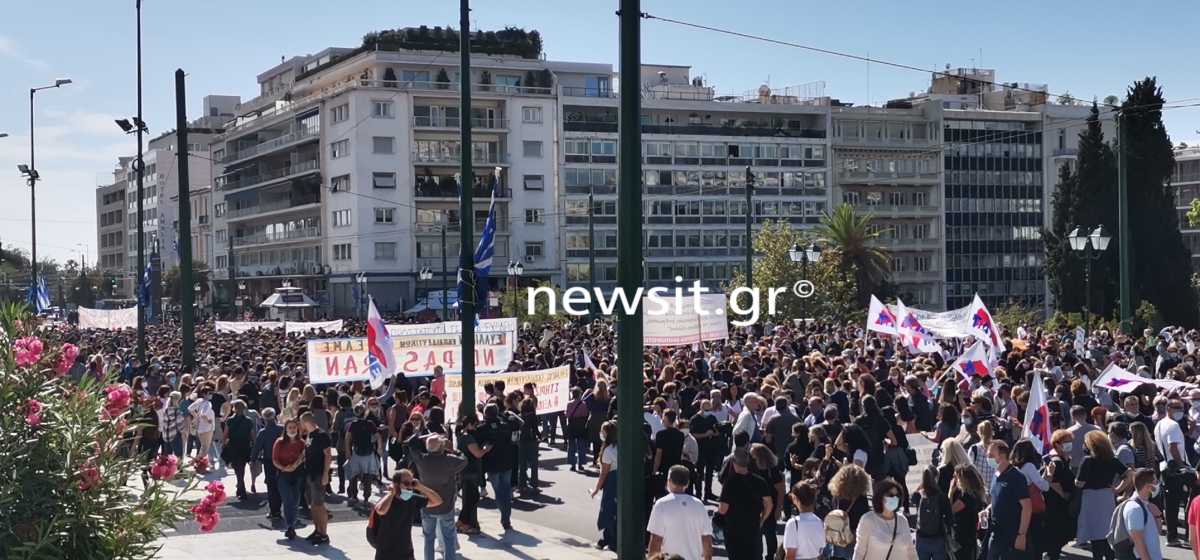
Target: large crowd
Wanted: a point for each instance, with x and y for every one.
(785, 441)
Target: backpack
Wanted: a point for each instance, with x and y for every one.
(837, 528)
(362, 438)
(929, 517)
(1118, 533)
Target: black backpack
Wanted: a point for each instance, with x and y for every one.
(930, 517)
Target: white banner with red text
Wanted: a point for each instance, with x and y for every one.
(552, 387)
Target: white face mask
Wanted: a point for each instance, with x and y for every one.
(1176, 415)
(891, 503)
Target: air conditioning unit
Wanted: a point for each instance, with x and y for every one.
(529, 258)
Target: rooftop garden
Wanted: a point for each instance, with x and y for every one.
(508, 41)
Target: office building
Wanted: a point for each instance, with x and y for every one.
(1186, 181)
(110, 222)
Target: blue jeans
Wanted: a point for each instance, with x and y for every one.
(289, 493)
(931, 548)
(577, 451)
(431, 525)
(502, 489)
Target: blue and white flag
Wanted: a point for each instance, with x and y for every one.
(144, 293)
(39, 296)
(483, 255)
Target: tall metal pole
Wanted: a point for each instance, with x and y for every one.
(1087, 282)
(33, 177)
(749, 227)
(186, 314)
(233, 281)
(466, 214)
(1126, 242)
(141, 171)
(445, 277)
(631, 486)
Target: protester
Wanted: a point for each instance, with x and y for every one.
(804, 533)
(318, 456)
(679, 523)
(263, 452)
(1010, 512)
(288, 457)
(606, 520)
(882, 533)
(745, 506)
(389, 527)
(441, 471)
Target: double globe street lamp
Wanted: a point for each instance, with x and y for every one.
(805, 255)
(515, 270)
(1090, 248)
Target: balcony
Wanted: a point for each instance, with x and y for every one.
(301, 135)
(279, 173)
(886, 178)
(270, 206)
(289, 268)
(909, 243)
(264, 238)
(436, 191)
(453, 123)
(897, 210)
(917, 275)
(607, 125)
(454, 226)
(456, 159)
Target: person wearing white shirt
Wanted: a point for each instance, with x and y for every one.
(1168, 436)
(748, 420)
(204, 420)
(804, 534)
(720, 410)
(882, 534)
(679, 522)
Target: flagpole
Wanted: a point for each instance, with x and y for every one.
(466, 215)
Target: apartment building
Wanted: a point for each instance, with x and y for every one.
(110, 222)
(888, 162)
(1186, 181)
(697, 147)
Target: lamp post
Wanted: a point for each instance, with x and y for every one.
(197, 303)
(361, 280)
(1089, 248)
(31, 173)
(241, 299)
(425, 275)
(808, 254)
(515, 270)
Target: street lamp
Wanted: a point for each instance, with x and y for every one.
(361, 280)
(515, 270)
(811, 253)
(424, 275)
(30, 172)
(1090, 248)
(241, 298)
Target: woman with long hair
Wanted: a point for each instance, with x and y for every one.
(1101, 476)
(967, 499)
(287, 453)
(979, 451)
(953, 456)
(1025, 458)
(606, 521)
(1059, 529)
(1145, 453)
(849, 487)
(764, 464)
(598, 401)
(934, 518)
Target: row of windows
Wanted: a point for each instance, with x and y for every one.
(112, 239)
(739, 150)
(902, 231)
(1001, 178)
(990, 205)
(886, 198)
(993, 233)
(112, 197)
(664, 273)
(113, 217)
(888, 166)
(1009, 260)
(665, 208)
(573, 177)
(879, 131)
(112, 260)
(272, 257)
(1001, 289)
(912, 263)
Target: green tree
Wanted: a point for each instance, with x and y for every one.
(443, 79)
(1062, 270)
(851, 237)
(519, 307)
(1160, 260)
(171, 279)
(1193, 213)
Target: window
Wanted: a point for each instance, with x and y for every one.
(339, 183)
(532, 148)
(534, 182)
(340, 113)
(341, 252)
(341, 218)
(339, 149)
(534, 216)
(531, 115)
(534, 249)
(385, 250)
(385, 215)
(383, 144)
(383, 180)
(411, 76)
(218, 210)
(576, 147)
(382, 109)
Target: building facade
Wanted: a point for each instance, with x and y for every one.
(1186, 181)
(110, 223)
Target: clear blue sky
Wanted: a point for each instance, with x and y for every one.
(1092, 49)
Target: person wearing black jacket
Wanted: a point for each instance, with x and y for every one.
(389, 527)
(499, 432)
(262, 452)
(934, 517)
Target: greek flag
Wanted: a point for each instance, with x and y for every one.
(144, 293)
(483, 255)
(39, 296)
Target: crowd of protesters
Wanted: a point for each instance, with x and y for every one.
(782, 441)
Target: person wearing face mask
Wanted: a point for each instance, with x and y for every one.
(1139, 522)
(1010, 512)
(441, 471)
(1059, 529)
(389, 527)
(287, 456)
(745, 504)
(204, 420)
(261, 452)
(1177, 476)
(1101, 478)
(882, 534)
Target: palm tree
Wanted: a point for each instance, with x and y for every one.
(851, 238)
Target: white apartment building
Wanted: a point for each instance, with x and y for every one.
(696, 149)
(888, 163)
(1186, 181)
(110, 223)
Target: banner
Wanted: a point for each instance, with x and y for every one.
(299, 327)
(1117, 379)
(553, 388)
(111, 319)
(418, 350)
(880, 318)
(244, 326)
(687, 326)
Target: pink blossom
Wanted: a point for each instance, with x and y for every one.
(118, 400)
(165, 466)
(216, 491)
(206, 511)
(33, 412)
(89, 476)
(66, 358)
(200, 463)
(28, 351)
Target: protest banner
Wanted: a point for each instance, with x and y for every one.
(244, 326)
(683, 325)
(111, 319)
(418, 350)
(293, 327)
(553, 388)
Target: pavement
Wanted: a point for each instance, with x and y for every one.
(557, 522)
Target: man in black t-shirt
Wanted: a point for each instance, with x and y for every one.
(704, 429)
(668, 444)
(317, 457)
(745, 503)
(359, 445)
(497, 431)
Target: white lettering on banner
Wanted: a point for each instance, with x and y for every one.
(553, 388)
(686, 325)
(111, 319)
(418, 350)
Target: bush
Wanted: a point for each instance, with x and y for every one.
(67, 454)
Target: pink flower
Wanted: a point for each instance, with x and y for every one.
(216, 491)
(28, 351)
(89, 476)
(118, 400)
(33, 412)
(206, 511)
(165, 466)
(200, 463)
(66, 359)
